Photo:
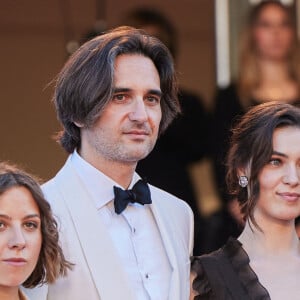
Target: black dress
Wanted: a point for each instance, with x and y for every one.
(225, 274)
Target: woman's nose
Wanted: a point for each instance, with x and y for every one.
(292, 175)
(17, 239)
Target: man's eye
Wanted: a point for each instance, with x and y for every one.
(119, 97)
(152, 99)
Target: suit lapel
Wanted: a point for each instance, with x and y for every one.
(161, 218)
(97, 246)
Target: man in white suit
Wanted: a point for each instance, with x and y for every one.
(127, 239)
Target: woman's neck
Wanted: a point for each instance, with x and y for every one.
(275, 240)
(9, 293)
(274, 72)
(275, 83)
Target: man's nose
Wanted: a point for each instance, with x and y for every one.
(17, 239)
(139, 111)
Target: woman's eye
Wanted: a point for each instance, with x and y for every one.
(31, 225)
(2, 225)
(275, 162)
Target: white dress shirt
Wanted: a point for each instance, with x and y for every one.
(134, 233)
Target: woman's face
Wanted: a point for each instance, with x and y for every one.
(273, 33)
(20, 236)
(279, 179)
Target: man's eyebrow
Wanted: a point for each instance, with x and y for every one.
(155, 92)
(120, 90)
(124, 90)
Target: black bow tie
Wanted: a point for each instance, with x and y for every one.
(139, 193)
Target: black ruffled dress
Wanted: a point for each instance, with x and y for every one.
(225, 274)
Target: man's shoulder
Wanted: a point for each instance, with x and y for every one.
(52, 194)
(48, 184)
(62, 174)
(51, 187)
(165, 198)
(157, 191)
(177, 215)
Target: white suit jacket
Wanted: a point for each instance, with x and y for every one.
(97, 273)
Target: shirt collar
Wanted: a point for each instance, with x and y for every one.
(98, 185)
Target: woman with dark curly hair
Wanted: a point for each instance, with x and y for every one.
(264, 176)
(268, 70)
(29, 251)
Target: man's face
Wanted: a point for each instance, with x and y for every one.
(128, 127)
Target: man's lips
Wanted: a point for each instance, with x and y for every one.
(15, 261)
(137, 132)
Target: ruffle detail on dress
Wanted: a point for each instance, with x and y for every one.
(240, 263)
(200, 283)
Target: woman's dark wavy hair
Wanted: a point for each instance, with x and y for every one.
(85, 85)
(252, 147)
(51, 263)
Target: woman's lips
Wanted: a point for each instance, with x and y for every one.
(291, 197)
(15, 261)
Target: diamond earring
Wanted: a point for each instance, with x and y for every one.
(243, 181)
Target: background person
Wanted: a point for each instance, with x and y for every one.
(264, 176)
(29, 251)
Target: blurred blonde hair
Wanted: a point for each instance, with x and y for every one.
(249, 75)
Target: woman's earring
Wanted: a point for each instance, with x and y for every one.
(243, 181)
